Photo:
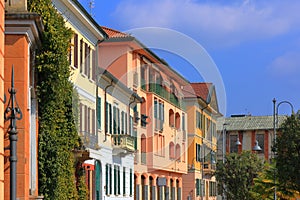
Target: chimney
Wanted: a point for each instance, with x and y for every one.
(15, 6)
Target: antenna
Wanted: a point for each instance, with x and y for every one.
(91, 6)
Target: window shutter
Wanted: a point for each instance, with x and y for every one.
(94, 65)
(76, 50)
(110, 119)
(81, 56)
(80, 117)
(98, 112)
(93, 122)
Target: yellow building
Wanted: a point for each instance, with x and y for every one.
(105, 110)
(202, 112)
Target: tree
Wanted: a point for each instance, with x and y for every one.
(236, 175)
(263, 187)
(288, 153)
(58, 134)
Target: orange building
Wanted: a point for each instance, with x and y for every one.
(1, 99)
(22, 33)
(159, 121)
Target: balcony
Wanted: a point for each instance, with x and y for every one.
(122, 144)
(209, 168)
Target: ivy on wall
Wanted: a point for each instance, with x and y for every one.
(58, 134)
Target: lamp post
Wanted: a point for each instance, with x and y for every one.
(275, 126)
(13, 113)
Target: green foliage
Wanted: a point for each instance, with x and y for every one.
(288, 153)
(263, 187)
(236, 175)
(58, 134)
(83, 192)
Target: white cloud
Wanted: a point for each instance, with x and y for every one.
(286, 66)
(219, 23)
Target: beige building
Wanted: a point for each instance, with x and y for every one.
(247, 129)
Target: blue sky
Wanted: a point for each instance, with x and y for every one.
(255, 44)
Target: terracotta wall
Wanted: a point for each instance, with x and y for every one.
(16, 53)
(1, 99)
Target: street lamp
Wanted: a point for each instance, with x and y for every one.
(275, 126)
(13, 113)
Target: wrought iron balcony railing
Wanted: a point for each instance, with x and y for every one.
(124, 142)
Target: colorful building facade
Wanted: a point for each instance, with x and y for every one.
(159, 121)
(202, 111)
(22, 38)
(105, 110)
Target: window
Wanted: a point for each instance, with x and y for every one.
(198, 120)
(108, 179)
(212, 188)
(198, 187)
(171, 118)
(117, 180)
(198, 153)
(86, 59)
(160, 140)
(108, 123)
(131, 126)
(124, 181)
(99, 112)
(158, 114)
(122, 122)
(81, 56)
(177, 152)
(177, 121)
(261, 142)
(115, 120)
(233, 146)
(94, 64)
(183, 122)
(171, 150)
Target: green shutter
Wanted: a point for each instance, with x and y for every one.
(197, 187)
(106, 178)
(124, 180)
(130, 182)
(99, 112)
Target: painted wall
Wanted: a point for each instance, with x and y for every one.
(1, 99)
(16, 53)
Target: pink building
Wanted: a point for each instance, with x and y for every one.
(159, 122)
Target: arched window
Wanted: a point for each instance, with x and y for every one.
(177, 120)
(171, 150)
(171, 118)
(178, 152)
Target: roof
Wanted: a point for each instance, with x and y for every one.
(89, 17)
(248, 122)
(201, 89)
(111, 33)
(118, 36)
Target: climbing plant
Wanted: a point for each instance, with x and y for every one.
(58, 134)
